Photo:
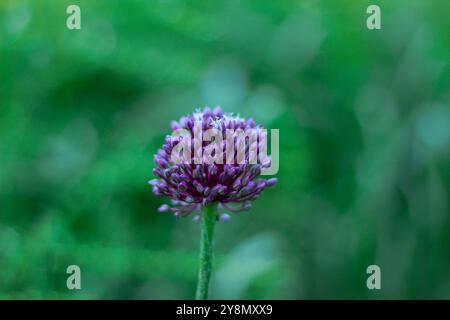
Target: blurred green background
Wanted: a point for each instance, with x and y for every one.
(364, 123)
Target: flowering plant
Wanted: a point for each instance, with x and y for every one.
(212, 160)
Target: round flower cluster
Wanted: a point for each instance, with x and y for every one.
(189, 186)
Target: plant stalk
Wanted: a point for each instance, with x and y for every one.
(208, 221)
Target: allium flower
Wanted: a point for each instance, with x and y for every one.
(228, 158)
(234, 186)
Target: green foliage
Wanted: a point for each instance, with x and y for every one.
(364, 124)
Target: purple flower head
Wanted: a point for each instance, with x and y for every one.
(218, 159)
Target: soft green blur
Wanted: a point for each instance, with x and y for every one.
(364, 123)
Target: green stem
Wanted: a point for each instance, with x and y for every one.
(208, 221)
